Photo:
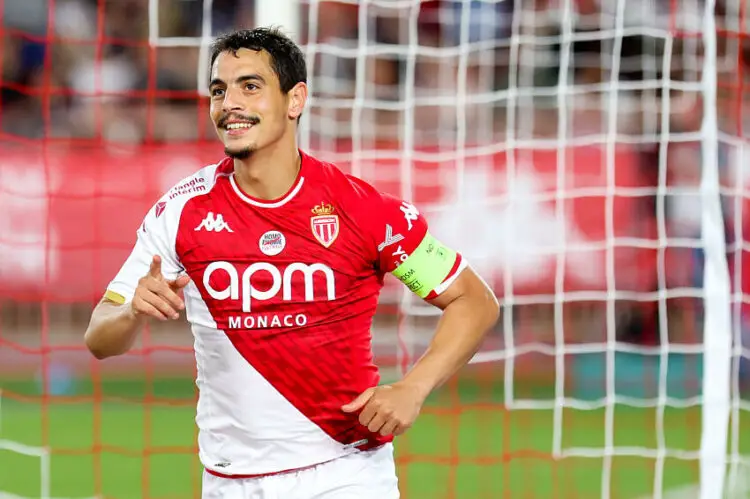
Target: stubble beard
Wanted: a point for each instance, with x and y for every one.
(242, 153)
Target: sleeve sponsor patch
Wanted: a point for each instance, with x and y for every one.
(426, 267)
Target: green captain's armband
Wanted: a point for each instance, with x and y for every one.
(427, 267)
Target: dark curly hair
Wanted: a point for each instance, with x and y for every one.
(287, 60)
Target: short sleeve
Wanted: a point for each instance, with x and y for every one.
(154, 237)
(410, 252)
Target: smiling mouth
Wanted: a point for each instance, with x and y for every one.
(239, 126)
(229, 122)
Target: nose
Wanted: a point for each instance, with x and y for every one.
(231, 100)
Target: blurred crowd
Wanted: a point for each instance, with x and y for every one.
(85, 69)
(57, 54)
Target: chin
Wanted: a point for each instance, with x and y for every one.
(239, 152)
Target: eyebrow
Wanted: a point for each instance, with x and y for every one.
(240, 79)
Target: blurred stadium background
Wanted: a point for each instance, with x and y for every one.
(588, 156)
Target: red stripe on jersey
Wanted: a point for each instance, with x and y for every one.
(319, 383)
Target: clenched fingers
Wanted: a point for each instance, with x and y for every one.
(156, 298)
(390, 427)
(378, 421)
(143, 307)
(146, 300)
(165, 292)
(368, 413)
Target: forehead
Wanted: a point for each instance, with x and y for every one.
(229, 65)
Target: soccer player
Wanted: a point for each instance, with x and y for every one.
(280, 258)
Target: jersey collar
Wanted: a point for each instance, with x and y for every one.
(269, 203)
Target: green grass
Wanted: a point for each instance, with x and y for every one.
(480, 451)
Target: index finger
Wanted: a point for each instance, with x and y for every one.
(155, 269)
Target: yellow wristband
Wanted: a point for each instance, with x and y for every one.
(115, 297)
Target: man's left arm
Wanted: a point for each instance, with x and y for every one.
(437, 274)
(470, 309)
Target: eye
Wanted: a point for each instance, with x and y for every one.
(216, 92)
(251, 86)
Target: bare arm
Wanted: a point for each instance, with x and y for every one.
(438, 274)
(112, 330)
(114, 327)
(470, 309)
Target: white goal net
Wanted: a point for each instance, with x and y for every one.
(586, 157)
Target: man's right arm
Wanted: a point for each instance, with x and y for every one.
(145, 286)
(115, 324)
(112, 330)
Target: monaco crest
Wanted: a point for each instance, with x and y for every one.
(325, 225)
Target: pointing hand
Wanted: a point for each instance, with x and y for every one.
(156, 296)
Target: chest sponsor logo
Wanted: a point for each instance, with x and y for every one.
(264, 281)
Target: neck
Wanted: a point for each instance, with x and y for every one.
(269, 173)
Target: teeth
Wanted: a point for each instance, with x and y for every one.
(236, 126)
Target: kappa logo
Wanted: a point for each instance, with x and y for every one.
(214, 223)
(410, 213)
(389, 238)
(325, 225)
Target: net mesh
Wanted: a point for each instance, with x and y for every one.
(558, 144)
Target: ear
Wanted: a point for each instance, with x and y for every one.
(297, 100)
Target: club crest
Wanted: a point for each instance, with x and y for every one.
(325, 224)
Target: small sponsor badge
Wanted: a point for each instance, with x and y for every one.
(272, 243)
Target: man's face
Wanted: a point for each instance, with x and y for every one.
(248, 108)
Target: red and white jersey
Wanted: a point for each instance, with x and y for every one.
(281, 300)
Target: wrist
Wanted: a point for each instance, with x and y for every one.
(420, 387)
(132, 314)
